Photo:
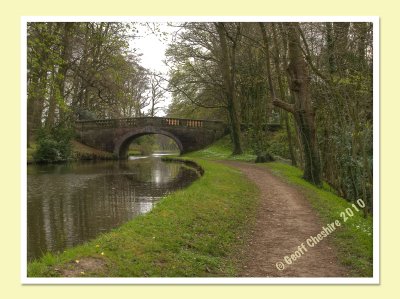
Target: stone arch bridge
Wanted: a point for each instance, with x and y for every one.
(115, 135)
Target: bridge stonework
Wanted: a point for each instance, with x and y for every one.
(115, 135)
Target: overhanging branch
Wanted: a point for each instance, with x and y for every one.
(284, 105)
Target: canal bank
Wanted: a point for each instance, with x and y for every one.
(80, 152)
(71, 203)
(193, 232)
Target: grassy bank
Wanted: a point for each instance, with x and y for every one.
(353, 240)
(195, 232)
(83, 152)
(79, 152)
(192, 232)
(222, 150)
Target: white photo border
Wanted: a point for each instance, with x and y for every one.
(375, 279)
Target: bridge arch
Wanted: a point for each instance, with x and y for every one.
(123, 142)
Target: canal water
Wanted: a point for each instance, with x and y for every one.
(72, 203)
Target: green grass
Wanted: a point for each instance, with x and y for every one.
(222, 150)
(191, 233)
(134, 152)
(196, 232)
(353, 240)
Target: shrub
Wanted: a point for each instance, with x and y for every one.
(53, 145)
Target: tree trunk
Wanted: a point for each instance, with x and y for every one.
(35, 104)
(282, 94)
(302, 108)
(340, 41)
(330, 46)
(62, 72)
(227, 63)
(50, 119)
(268, 67)
(30, 112)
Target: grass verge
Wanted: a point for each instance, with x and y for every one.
(353, 240)
(222, 150)
(190, 233)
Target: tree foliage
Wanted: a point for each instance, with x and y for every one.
(313, 78)
(53, 145)
(77, 70)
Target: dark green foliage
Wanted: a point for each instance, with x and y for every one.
(53, 145)
(279, 144)
(264, 157)
(144, 145)
(265, 145)
(86, 115)
(258, 140)
(47, 151)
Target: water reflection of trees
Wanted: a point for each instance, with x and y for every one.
(65, 210)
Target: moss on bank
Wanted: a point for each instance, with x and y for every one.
(190, 233)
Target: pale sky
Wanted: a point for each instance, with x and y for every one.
(153, 48)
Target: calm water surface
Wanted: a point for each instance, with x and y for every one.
(70, 204)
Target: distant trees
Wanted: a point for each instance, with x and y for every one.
(156, 94)
(195, 78)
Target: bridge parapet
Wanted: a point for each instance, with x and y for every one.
(115, 135)
(147, 121)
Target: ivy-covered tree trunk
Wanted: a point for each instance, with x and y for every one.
(302, 108)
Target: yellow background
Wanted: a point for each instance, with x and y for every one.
(10, 141)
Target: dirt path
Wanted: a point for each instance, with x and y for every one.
(285, 220)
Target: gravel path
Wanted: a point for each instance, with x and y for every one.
(285, 220)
